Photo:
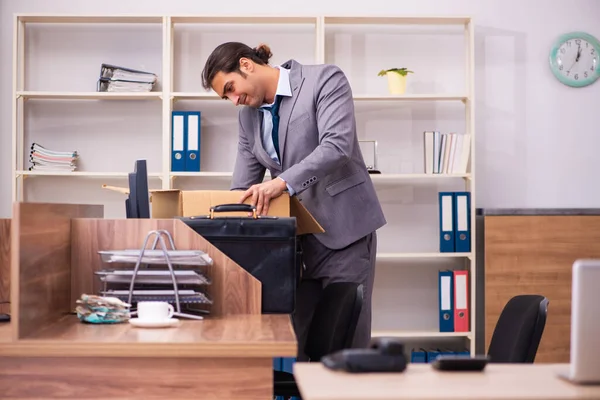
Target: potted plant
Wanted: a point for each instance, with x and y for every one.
(396, 79)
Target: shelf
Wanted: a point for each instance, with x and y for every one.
(258, 19)
(358, 98)
(203, 174)
(195, 96)
(213, 96)
(91, 19)
(90, 95)
(407, 20)
(419, 334)
(203, 19)
(375, 177)
(411, 97)
(403, 177)
(400, 256)
(81, 174)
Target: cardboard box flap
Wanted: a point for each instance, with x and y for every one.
(305, 222)
(166, 203)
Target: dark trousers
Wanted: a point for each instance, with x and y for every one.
(354, 263)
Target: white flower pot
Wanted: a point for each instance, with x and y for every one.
(396, 83)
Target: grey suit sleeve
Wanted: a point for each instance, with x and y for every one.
(247, 171)
(336, 125)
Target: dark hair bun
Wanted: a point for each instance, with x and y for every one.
(263, 52)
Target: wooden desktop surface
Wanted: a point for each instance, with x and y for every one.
(421, 381)
(228, 357)
(230, 336)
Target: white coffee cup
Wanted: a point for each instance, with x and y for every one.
(154, 310)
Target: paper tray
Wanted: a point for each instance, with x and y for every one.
(149, 276)
(159, 295)
(180, 257)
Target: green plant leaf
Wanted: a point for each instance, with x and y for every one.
(401, 71)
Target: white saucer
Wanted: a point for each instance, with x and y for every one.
(153, 324)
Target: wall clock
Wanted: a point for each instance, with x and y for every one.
(575, 59)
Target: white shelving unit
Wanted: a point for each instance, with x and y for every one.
(176, 46)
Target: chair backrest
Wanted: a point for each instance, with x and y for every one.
(519, 329)
(334, 321)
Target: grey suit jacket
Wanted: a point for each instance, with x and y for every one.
(321, 159)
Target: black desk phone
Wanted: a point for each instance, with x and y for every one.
(460, 363)
(384, 355)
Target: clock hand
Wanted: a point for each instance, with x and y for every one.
(569, 70)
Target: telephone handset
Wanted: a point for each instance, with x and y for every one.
(383, 355)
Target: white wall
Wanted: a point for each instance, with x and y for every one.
(536, 139)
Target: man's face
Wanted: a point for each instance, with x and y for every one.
(239, 89)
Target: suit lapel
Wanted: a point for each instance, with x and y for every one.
(288, 103)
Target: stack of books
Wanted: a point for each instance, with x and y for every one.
(43, 159)
(120, 79)
(446, 153)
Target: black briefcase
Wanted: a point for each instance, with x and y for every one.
(265, 246)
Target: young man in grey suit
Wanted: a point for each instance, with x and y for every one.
(299, 124)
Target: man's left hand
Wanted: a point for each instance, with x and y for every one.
(262, 194)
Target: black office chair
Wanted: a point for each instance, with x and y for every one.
(331, 329)
(519, 330)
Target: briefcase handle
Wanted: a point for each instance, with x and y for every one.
(233, 207)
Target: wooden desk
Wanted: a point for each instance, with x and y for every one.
(421, 381)
(250, 336)
(221, 358)
(46, 352)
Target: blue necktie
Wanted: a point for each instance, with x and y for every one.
(275, 132)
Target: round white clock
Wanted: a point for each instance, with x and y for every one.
(575, 59)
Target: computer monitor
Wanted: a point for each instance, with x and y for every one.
(584, 365)
(137, 204)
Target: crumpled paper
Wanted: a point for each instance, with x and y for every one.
(102, 310)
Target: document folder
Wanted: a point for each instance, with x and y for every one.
(461, 301)
(178, 141)
(192, 162)
(114, 78)
(445, 301)
(418, 356)
(446, 216)
(462, 216)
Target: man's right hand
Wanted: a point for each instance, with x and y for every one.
(262, 193)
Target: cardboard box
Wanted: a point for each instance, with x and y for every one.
(171, 203)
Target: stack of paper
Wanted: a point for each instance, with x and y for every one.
(102, 310)
(43, 159)
(120, 79)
